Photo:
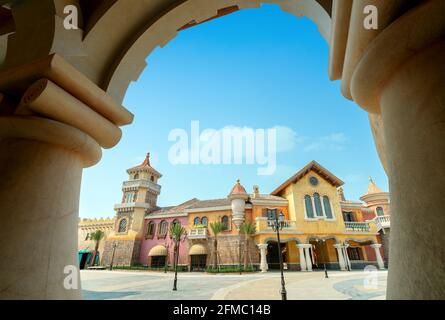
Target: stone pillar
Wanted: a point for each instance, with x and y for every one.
(302, 258)
(57, 129)
(263, 252)
(378, 256)
(414, 123)
(402, 77)
(308, 257)
(39, 192)
(341, 259)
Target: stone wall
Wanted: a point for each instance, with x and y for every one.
(228, 250)
(127, 252)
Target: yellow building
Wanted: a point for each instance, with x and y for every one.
(320, 227)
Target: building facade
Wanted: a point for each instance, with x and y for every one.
(320, 229)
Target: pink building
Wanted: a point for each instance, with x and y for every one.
(157, 247)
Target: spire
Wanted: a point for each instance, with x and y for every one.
(147, 160)
(372, 187)
(341, 194)
(238, 190)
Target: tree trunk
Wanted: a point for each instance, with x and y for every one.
(96, 248)
(246, 250)
(215, 250)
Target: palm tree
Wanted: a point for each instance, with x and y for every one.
(177, 232)
(217, 227)
(248, 229)
(96, 236)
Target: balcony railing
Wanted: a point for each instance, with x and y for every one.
(265, 225)
(382, 222)
(357, 226)
(197, 233)
(141, 183)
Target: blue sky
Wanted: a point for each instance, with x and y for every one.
(257, 68)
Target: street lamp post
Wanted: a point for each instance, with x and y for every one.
(115, 244)
(278, 225)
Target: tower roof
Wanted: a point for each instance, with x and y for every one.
(374, 194)
(372, 187)
(238, 191)
(145, 166)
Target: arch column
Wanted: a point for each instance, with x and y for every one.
(378, 256)
(263, 253)
(44, 146)
(308, 257)
(303, 266)
(341, 259)
(414, 121)
(402, 77)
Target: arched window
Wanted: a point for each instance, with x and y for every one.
(163, 228)
(196, 221)
(380, 211)
(204, 221)
(317, 203)
(152, 178)
(176, 221)
(327, 207)
(150, 230)
(225, 222)
(122, 225)
(309, 206)
(136, 176)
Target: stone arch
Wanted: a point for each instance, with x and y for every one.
(271, 239)
(120, 58)
(365, 241)
(314, 238)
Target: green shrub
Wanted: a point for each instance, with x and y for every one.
(231, 269)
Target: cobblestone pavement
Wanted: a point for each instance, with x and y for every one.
(102, 285)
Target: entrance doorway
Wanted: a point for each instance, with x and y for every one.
(85, 258)
(158, 261)
(272, 257)
(198, 262)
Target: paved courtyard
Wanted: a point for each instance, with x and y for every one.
(101, 285)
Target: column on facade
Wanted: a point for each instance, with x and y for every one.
(405, 85)
(341, 259)
(263, 253)
(308, 257)
(44, 147)
(302, 258)
(378, 255)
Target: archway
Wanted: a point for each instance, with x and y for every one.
(394, 72)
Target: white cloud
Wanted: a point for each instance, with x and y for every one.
(333, 142)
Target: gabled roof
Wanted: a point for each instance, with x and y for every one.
(314, 166)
